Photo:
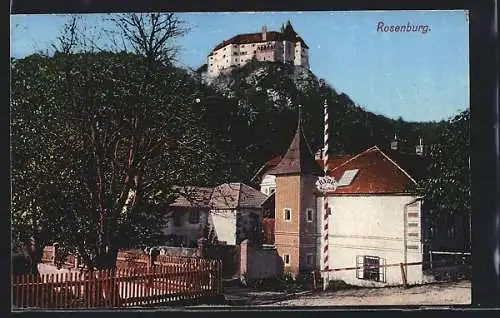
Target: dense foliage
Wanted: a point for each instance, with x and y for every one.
(98, 139)
(448, 184)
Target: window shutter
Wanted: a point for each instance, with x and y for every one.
(382, 270)
(359, 266)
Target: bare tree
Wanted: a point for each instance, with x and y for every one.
(67, 40)
(150, 34)
(77, 35)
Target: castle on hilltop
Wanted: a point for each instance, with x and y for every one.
(285, 46)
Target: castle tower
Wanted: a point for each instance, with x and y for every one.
(295, 205)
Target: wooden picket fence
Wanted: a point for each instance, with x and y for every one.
(146, 286)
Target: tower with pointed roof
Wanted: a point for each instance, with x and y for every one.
(295, 205)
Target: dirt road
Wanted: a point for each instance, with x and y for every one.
(434, 294)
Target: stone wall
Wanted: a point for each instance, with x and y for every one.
(259, 262)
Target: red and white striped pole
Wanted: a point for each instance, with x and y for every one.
(325, 198)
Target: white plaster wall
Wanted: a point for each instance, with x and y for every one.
(285, 51)
(298, 51)
(224, 223)
(222, 59)
(373, 226)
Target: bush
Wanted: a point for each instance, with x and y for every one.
(335, 285)
(268, 284)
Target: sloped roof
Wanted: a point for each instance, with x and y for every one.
(247, 38)
(299, 158)
(193, 197)
(236, 195)
(378, 174)
(333, 161)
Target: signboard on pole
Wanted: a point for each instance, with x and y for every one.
(326, 184)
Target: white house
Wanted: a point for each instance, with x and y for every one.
(374, 220)
(232, 210)
(187, 216)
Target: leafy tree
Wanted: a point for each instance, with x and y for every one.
(98, 140)
(448, 186)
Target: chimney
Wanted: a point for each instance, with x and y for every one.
(394, 143)
(264, 33)
(419, 149)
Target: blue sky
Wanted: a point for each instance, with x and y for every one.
(417, 76)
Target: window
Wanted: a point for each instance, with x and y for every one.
(309, 259)
(309, 215)
(371, 269)
(236, 60)
(347, 177)
(253, 45)
(286, 259)
(287, 214)
(194, 216)
(367, 267)
(177, 217)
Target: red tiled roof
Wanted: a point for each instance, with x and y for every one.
(334, 161)
(377, 174)
(257, 38)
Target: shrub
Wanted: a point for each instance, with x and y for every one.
(335, 285)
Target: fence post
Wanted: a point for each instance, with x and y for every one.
(326, 278)
(201, 247)
(56, 248)
(313, 280)
(403, 275)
